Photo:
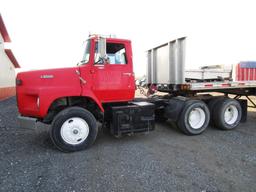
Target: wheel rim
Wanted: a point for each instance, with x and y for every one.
(197, 118)
(231, 114)
(74, 130)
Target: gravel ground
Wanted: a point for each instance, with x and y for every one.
(163, 160)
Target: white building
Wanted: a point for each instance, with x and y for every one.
(8, 63)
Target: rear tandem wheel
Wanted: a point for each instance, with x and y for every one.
(194, 117)
(227, 114)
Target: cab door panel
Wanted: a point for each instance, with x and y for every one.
(112, 82)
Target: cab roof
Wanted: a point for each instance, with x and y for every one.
(110, 38)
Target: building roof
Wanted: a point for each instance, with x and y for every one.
(7, 39)
(4, 31)
(12, 58)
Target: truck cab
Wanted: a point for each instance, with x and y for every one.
(73, 99)
(104, 75)
(107, 69)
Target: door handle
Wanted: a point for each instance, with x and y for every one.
(129, 74)
(92, 71)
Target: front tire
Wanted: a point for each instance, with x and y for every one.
(194, 117)
(73, 129)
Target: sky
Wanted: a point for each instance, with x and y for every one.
(50, 33)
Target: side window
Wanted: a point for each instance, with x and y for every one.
(97, 59)
(115, 52)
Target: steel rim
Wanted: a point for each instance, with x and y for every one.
(231, 114)
(197, 118)
(74, 130)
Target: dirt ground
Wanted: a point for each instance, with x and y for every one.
(162, 160)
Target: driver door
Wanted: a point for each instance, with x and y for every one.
(113, 80)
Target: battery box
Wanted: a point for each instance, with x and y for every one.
(132, 118)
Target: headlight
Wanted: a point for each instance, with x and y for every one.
(18, 82)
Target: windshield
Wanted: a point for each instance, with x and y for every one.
(86, 55)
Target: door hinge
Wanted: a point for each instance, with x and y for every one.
(81, 79)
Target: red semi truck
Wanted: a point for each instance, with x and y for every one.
(102, 88)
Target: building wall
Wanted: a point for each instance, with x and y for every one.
(7, 74)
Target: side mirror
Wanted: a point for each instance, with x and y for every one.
(102, 47)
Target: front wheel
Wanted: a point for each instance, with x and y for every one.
(194, 117)
(73, 129)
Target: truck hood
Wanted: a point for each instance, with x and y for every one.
(44, 86)
(47, 73)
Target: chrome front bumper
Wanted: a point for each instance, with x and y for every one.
(27, 122)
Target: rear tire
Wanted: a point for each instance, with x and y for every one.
(211, 106)
(73, 129)
(194, 117)
(227, 114)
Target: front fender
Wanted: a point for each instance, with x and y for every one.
(49, 95)
(91, 95)
(46, 99)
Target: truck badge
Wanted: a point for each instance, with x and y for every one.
(47, 76)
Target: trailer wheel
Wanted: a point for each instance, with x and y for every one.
(73, 129)
(211, 106)
(227, 114)
(194, 117)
